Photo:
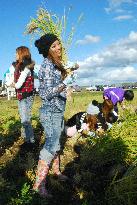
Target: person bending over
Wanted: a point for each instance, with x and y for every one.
(118, 95)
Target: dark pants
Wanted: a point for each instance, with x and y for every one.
(116, 108)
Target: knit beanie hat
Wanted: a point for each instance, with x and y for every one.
(92, 109)
(43, 44)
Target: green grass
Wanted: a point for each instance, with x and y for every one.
(101, 171)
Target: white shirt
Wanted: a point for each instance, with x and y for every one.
(24, 74)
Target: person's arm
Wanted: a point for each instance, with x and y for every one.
(22, 78)
(122, 104)
(71, 69)
(106, 95)
(47, 88)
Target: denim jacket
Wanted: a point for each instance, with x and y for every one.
(49, 83)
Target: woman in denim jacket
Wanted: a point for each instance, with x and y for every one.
(24, 85)
(52, 90)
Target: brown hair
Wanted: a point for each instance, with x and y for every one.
(58, 62)
(24, 57)
(92, 121)
(107, 107)
(23, 52)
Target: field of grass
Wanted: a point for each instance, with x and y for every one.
(101, 171)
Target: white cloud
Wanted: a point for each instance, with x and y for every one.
(118, 5)
(123, 17)
(133, 36)
(88, 39)
(114, 4)
(119, 10)
(123, 74)
(118, 62)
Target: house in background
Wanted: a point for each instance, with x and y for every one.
(91, 88)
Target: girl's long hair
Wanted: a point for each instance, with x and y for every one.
(24, 57)
(58, 62)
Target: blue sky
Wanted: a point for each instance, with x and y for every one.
(104, 44)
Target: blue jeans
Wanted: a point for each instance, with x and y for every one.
(53, 124)
(25, 107)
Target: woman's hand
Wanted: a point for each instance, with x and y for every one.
(122, 105)
(62, 88)
(71, 69)
(31, 66)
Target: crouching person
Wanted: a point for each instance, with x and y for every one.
(82, 122)
(97, 119)
(118, 95)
